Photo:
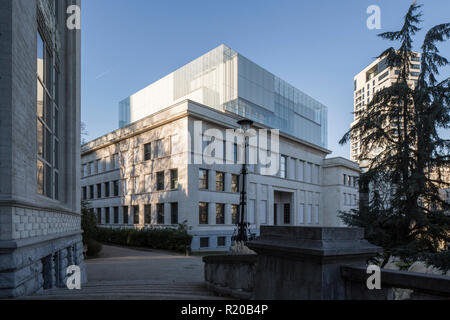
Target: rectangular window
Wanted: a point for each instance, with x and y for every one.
(234, 183)
(174, 179)
(116, 215)
(234, 214)
(99, 215)
(99, 191)
(221, 241)
(125, 214)
(147, 151)
(136, 215)
(160, 181)
(106, 189)
(116, 188)
(174, 213)
(48, 153)
(148, 214)
(220, 181)
(160, 213)
(203, 179)
(283, 169)
(204, 242)
(203, 213)
(84, 193)
(107, 217)
(220, 213)
(91, 192)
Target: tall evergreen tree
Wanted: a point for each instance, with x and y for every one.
(401, 125)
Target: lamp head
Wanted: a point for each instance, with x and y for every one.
(245, 124)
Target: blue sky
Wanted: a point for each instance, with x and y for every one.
(317, 46)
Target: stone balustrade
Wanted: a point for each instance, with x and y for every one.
(320, 263)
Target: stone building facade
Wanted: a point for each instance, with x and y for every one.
(40, 233)
(144, 175)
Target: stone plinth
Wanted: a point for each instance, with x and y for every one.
(296, 263)
(231, 274)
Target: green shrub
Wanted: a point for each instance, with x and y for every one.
(166, 239)
(93, 247)
(89, 227)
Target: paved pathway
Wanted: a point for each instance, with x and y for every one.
(122, 273)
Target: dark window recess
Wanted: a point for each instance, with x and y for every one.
(116, 215)
(220, 181)
(203, 179)
(220, 213)
(234, 183)
(136, 215)
(160, 213)
(234, 214)
(204, 242)
(147, 151)
(148, 214)
(125, 214)
(99, 216)
(160, 181)
(106, 189)
(174, 179)
(203, 213)
(174, 212)
(221, 241)
(99, 191)
(107, 215)
(116, 188)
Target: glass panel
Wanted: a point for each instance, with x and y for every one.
(203, 213)
(48, 146)
(40, 177)
(56, 154)
(48, 111)
(40, 139)
(48, 181)
(174, 212)
(220, 213)
(148, 214)
(160, 213)
(56, 185)
(56, 130)
(40, 57)
(40, 100)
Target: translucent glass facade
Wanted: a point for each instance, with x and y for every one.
(227, 81)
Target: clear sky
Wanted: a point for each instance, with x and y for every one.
(317, 46)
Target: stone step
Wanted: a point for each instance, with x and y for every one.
(129, 290)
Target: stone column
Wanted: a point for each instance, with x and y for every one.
(211, 213)
(297, 263)
(227, 182)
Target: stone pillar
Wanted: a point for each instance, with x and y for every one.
(303, 263)
(211, 213)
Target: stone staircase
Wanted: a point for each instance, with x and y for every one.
(130, 290)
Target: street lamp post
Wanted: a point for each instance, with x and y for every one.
(245, 125)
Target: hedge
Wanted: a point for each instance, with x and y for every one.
(165, 239)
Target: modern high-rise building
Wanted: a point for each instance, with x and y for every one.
(227, 81)
(375, 77)
(40, 233)
(144, 174)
